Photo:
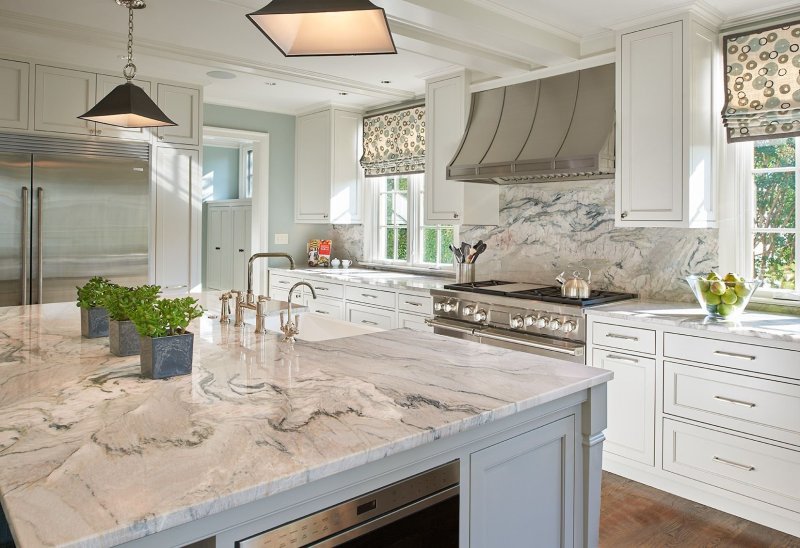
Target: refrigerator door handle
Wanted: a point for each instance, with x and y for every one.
(25, 245)
(39, 239)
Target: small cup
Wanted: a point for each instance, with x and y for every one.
(346, 263)
(335, 263)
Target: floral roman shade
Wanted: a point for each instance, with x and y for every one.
(762, 81)
(394, 142)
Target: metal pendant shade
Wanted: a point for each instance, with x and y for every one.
(325, 27)
(128, 105)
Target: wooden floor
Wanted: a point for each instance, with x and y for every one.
(633, 514)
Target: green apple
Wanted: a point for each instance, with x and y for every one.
(717, 287)
(741, 289)
(702, 284)
(729, 297)
(725, 310)
(730, 277)
(711, 298)
(712, 276)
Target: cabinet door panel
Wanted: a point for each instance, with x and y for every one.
(61, 96)
(105, 85)
(182, 106)
(14, 77)
(312, 198)
(510, 482)
(214, 255)
(444, 113)
(226, 231)
(346, 183)
(413, 321)
(371, 316)
(241, 244)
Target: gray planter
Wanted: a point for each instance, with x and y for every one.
(164, 357)
(123, 339)
(94, 322)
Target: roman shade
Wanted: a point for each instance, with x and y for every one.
(762, 83)
(394, 142)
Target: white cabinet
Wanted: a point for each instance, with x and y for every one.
(177, 208)
(14, 78)
(105, 85)
(182, 106)
(509, 482)
(413, 321)
(327, 306)
(228, 232)
(61, 96)
(328, 176)
(370, 315)
(452, 202)
(667, 125)
(631, 404)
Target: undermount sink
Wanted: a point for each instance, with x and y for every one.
(315, 327)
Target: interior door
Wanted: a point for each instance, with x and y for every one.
(90, 218)
(15, 183)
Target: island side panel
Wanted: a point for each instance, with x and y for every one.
(594, 421)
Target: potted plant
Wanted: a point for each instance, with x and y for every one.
(121, 301)
(94, 317)
(166, 346)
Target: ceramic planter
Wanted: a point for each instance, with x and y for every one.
(123, 339)
(164, 357)
(94, 322)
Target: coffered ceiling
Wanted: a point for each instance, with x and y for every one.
(185, 39)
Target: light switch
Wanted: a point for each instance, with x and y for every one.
(281, 239)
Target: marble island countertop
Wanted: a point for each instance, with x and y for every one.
(779, 327)
(92, 454)
(399, 281)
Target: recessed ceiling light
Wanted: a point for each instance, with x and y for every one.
(342, 93)
(271, 83)
(386, 81)
(221, 74)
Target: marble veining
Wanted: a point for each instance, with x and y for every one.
(777, 327)
(399, 281)
(92, 454)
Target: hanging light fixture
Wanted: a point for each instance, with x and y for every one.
(128, 105)
(325, 27)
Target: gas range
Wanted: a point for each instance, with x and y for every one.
(529, 317)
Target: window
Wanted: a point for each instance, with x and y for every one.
(246, 159)
(399, 237)
(771, 242)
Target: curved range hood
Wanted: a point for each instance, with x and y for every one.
(557, 128)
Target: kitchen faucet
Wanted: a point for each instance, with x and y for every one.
(291, 328)
(248, 300)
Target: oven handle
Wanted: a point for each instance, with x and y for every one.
(452, 326)
(577, 350)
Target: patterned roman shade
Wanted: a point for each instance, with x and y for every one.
(762, 81)
(394, 142)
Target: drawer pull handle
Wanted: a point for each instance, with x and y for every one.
(283, 282)
(623, 337)
(321, 288)
(369, 322)
(735, 464)
(412, 303)
(734, 355)
(621, 358)
(368, 295)
(735, 402)
(321, 312)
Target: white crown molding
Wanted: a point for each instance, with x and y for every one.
(760, 17)
(712, 16)
(102, 38)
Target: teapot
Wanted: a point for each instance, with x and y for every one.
(576, 287)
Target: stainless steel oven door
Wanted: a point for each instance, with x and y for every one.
(453, 328)
(572, 351)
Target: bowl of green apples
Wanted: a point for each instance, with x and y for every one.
(723, 297)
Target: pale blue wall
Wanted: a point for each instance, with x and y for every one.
(220, 173)
(281, 174)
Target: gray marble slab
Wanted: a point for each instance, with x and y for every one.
(399, 281)
(92, 454)
(778, 327)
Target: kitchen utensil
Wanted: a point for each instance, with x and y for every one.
(465, 247)
(456, 253)
(576, 287)
(465, 273)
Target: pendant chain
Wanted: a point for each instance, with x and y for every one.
(130, 69)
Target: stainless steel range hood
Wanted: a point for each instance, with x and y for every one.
(557, 128)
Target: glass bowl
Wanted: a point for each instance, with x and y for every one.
(721, 299)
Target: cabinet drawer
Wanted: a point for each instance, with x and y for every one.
(743, 356)
(371, 296)
(327, 289)
(416, 304)
(332, 308)
(757, 470)
(283, 295)
(627, 338)
(280, 281)
(368, 315)
(761, 407)
(413, 321)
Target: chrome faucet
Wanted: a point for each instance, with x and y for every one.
(250, 298)
(291, 328)
(225, 312)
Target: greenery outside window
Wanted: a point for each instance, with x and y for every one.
(399, 236)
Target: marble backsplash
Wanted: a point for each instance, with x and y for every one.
(546, 228)
(347, 242)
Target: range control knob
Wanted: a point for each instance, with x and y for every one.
(480, 316)
(529, 320)
(517, 322)
(554, 324)
(437, 306)
(468, 310)
(569, 326)
(448, 307)
(542, 321)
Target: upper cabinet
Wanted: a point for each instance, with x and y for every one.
(668, 129)
(452, 202)
(61, 96)
(14, 77)
(182, 106)
(328, 176)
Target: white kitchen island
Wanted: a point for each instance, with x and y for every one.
(263, 433)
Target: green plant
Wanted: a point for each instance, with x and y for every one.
(165, 317)
(121, 301)
(93, 293)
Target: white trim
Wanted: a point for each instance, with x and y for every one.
(589, 62)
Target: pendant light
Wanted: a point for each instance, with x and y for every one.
(128, 105)
(325, 27)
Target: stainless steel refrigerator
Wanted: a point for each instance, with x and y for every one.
(70, 210)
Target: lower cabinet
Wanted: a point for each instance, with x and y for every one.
(228, 232)
(510, 481)
(327, 306)
(413, 321)
(370, 315)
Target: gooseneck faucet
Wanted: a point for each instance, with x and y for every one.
(250, 298)
(291, 328)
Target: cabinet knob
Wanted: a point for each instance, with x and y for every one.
(623, 214)
(324, 215)
(161, 138)
(217, 248)
(455, 215)
(98, 131)
(241, 251)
